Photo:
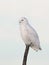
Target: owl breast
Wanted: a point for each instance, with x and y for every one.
(25, 36)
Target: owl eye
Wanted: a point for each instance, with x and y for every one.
(22, 20)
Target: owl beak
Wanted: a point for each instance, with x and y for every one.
(19, 21)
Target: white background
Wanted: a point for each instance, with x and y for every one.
(11, 45)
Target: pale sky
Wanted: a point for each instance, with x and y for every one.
(11, 45)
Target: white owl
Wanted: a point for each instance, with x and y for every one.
(29, 35)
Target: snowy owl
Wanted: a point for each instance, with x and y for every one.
(29, 35)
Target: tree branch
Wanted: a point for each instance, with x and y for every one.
(26, 54)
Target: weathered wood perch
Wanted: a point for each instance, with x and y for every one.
(26, 54)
